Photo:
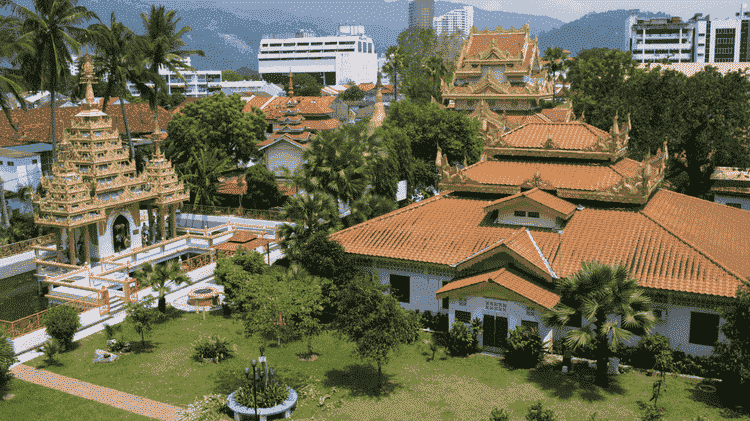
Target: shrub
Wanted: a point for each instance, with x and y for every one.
(211, 346)
(525, 348)
(651, 413)
(209, 408)
(538, 413)
(588, 352)
(413, 324)
(109, 331)
(648, 347)
(7, 359)
(50, 350)
(499, 415)
(460, 341)
(62, 323)
(268, 397)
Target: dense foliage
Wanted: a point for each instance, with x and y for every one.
(262, 190)
(525, 348)
(538, 413)
(211, 346)
(141, 316)
(266, 397)
(234, 272)
(7, 359)
(734, 353)
(463, 340)
(62, 323)
(304, 85)
(352, 93)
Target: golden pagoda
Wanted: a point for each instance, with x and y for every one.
(95, 187)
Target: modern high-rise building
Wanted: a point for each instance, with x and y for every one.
(334, 60)
(455, 20)
(421, 13)
(697, 40)
(197, 84)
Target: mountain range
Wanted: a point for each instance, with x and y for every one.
(230, 32)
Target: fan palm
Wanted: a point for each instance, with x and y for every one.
(596, 292)
(203, 176)
(160, 47)
(114, 58)
(395, 62)
(158, 278)
(311, 213)
(52, 34)
(335, 163)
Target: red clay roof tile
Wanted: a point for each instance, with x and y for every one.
(554, 203)
(574, 135)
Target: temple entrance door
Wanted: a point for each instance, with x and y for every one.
(121, 234)
(495, 331)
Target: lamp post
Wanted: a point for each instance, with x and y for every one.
(255, 395)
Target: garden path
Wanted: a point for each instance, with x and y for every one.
(111, 397)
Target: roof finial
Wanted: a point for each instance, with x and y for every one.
(291, 90)
(87, 78)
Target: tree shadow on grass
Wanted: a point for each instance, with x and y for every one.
(722, 400)
(47, 363)
(580, 382)
(171, 313)
(360, 380)
(147, 347)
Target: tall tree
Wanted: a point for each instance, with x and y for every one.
(231, 76)
(201, 174)
(557, 58)
(11, 82)
(596, 293)
(52, 32)
(216, 123)
(311, 213)
(374, 321)
(335, 163)
(262, 189)
(417, 45)
(304, 85)
(735, 351)
(395, 65)
(161, 46)
(114, 58)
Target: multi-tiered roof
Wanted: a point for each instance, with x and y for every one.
(95, 173)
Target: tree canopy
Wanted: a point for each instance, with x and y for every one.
(215, 123)
(304, 85)
(735, 351)
(352, 93)
(232, 76)
(262, 190)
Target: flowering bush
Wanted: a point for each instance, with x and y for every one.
(210, 408)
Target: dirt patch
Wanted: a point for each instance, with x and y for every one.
(313, 357)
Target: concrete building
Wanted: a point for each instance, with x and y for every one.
(455, 20)
(198, 83)
(731, 187)
(421, 13)
(19, 169)
(334, 60)
(698, 40)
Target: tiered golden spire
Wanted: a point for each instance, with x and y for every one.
(291, 89)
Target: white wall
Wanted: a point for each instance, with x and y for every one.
(359, 67)
(24, 172)
(106, 246)
(282, 154)
(546, 220)
(422, 287)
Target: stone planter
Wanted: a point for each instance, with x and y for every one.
(285, 407)
(203, 297)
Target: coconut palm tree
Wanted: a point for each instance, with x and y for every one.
(311, 213)
(158, 278)
(10, 79)
(114, 58)
(595, 293)
(394, 64)
(160, 47)
(202, 175)
(52, 32)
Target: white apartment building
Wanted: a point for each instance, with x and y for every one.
(457, 19)
(198, 83)
(697, 40)
(348, 55)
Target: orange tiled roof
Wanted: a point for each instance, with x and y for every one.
(366, 86)
(554, 203)
(509, 279)
(242, 236)
(256, 102)
(230, 186)
(250, 245)
(511, 42)
(665, 246)
(529, 55)
(517, 120)
(286, 188)
(283, 138)
(574, 135)
(558, 115)
(327, 124)
(315, 104)
(34, 124)
(299, 137)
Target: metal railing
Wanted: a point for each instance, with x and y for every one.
(198, 262)
(266, 215)
(26, 245)
(34, 322)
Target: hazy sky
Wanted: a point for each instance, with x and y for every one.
(568, 10)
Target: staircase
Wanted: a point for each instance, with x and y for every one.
(116, 305)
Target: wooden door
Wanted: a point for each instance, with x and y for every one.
(488, 336)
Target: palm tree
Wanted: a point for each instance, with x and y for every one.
(335, 163)
(311, 213)
(114, 58)
(202, 174)
(158, 278)
(395, 63)
(594, 293)
(53, 34)
(437, 69)
(160, 47)
(10, 79)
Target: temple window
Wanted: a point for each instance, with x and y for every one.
(533, 214)
(519, 213)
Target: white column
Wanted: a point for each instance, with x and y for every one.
(679, 57)
(643, 49)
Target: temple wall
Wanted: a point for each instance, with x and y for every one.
(106, 244)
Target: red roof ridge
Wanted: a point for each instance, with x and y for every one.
(394, 213)
(693, 246)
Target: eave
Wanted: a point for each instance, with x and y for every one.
(553, 153)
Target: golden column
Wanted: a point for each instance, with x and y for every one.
(162, 227)
(72, 245)
(86, 244)
(174, 221)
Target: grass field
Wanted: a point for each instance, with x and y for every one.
(415, 388)
(34, 402)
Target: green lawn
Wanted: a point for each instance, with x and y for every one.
(416, 388)
(34, 402)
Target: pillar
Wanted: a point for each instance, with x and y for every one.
(86, 245)
(679, 58)
(58, 243)
(643, 50)
(72, 245)
(174, 221)
(150, 223)
(162, 227)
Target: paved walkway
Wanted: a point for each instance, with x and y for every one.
(107, 396)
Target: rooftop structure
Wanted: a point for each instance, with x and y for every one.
(731, 187)
(334, 60)
(94, 187)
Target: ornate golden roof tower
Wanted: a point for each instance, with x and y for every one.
(95, 180)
